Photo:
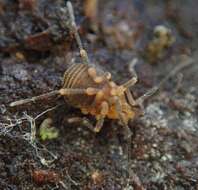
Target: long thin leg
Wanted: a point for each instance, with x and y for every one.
(82, 120)
(85, 122)
(134, 79)
(122, 120)
(127, 135)
(173, 72)
(33, 99)
(74, 29)
(62, 92)
(88, 124)
(99, 125)
(130, 82)
(103, 112)
(132, 102)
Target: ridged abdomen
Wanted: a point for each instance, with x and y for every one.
(76, 76)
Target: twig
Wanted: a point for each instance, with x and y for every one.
(30, 137)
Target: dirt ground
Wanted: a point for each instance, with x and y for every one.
(36, 47)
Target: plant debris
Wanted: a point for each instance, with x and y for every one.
(35, 50)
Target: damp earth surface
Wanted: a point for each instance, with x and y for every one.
(36, 47)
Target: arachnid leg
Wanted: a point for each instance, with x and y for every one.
(134, 79)
(122, 120)
(99, 125)
(92, 73)
(85, 122)
(130, 82)
(103, 112)
(142, 98)
(69, 91)
(127, 133)
(82, 120)
(100, 118)
(74, 30)
(98, 79)
(132, 102)
(156, 88)
(35, 98)
(62, 92)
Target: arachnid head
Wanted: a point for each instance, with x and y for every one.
(114, 102)
(120, 106)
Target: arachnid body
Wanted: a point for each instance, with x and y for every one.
(92, 90)
(99, 95)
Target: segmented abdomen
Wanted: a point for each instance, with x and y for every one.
(76, 76)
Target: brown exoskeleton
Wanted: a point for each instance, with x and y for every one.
(92, 90)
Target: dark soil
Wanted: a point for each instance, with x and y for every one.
(36, 47)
